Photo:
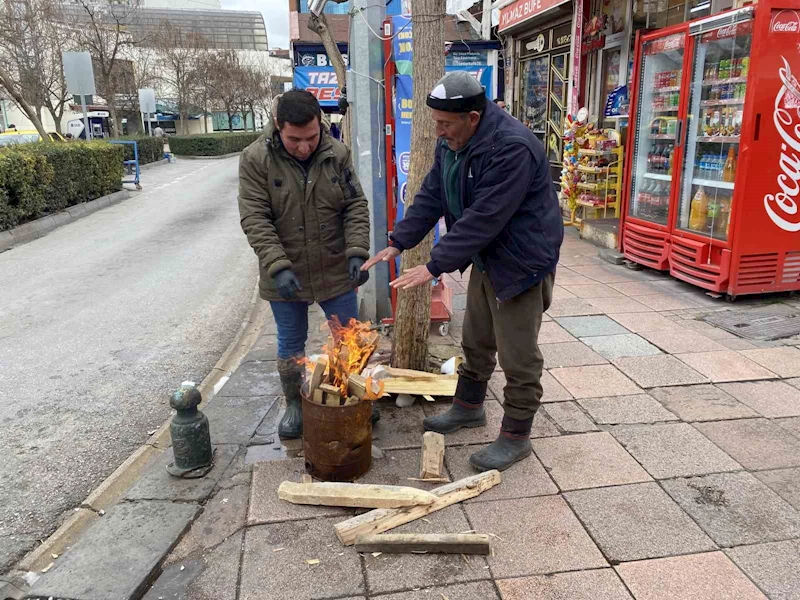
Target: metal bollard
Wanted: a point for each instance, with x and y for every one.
(191, 438)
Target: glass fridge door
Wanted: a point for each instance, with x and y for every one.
(720, 66)
(661, 69)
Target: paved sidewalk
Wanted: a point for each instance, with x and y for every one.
(666, 466)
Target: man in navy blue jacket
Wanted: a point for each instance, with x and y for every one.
(491, 181)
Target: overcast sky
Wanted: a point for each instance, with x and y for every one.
(276, 17)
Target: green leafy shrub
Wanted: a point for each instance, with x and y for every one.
(212, 144)
(151, 149)
(39, 179)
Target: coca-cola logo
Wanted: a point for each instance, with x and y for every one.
(785, 21)
(782, 207)
(726, 32)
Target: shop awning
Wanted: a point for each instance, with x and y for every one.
(521, 11)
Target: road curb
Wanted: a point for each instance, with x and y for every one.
(112, 489)
(40, 227)
(220, 157)
(156, 163)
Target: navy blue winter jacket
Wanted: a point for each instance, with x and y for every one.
(511, 216)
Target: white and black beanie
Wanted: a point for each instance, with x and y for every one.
(457, 92)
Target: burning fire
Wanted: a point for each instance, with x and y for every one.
(349, 348)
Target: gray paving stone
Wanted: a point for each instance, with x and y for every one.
(658, 371)
(570, 354)
(662, 302)
(620, 346)
(587, 460)
(524, 479)
(618, 305)
(484, 590)
(553, 333)
(274, 566)
(224, 514)
(727, 365)
(736, 344)
(253, 379)
(571, 307)
(395, 468)
(399, 427)
(552, 390)
(234, 419)
(633, 522)
(794, 382)
(772, 566)
(570, 277)
(157, 484)
(266, 507)
(267, 430)
(569, 417)
(397, 572)
(591, 326)
(595, 381)
(701, 403)
(580, 585)
(593, 290)
(119, 554)
(709, 576)
(792, 425)
(770, 398)
(679, 341)
(784, 482)
(560, 292)
(757, 444)
(641, 322)
(673, 450)
(265, 348)
(535, 536)
(209, 575)
(637, 288)
(617, 410)
(735, 508)
(477, 435)
(783, 361)
(606, 274)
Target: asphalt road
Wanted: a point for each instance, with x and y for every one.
(99, 321)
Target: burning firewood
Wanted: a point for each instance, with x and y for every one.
(348, 350)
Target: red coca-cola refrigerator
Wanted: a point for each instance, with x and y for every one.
(712, 174)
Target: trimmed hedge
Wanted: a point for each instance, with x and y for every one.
(151, 149)
(38, 179)
(211, 144)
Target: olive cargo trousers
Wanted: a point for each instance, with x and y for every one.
(509, 329)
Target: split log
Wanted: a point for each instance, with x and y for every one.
(317, 375)
(378, 521)
(318, 397)
(357, 386)
(441, 386)
(442, 543)
(356, 495)
(332, 394)
(411, 374)
(351, 400)
(432, 455)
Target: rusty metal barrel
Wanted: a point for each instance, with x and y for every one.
(337, 440)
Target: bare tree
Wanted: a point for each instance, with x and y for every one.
(180, 55)
(225, 72)
(31, 43)
(202, 91)
(11, 87)
(412, 322)
(142, 74)
(105, 34)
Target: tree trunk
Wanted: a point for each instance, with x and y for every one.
(8, 84)
(412, 321)
(205, 115)
(112, 110)
(319, 25)
(230, 122)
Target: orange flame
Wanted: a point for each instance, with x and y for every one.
(348, 350)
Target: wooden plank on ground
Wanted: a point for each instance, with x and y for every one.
(378, 521)
(431, 462)
(442, 543)
(442, 386)
(358, 495)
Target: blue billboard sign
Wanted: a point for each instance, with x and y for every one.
(320, 81)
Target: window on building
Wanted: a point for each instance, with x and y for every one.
(331, 8)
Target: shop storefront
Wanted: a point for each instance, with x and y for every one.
(539, 37)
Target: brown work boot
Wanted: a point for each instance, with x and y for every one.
(291, 372)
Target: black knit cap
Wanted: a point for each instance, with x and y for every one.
(457, 92)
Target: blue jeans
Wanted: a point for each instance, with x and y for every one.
(292, 321)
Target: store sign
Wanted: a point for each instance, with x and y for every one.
(594, 37)
(320, 81)
(537, 44)
(522, 10)
(316, 59)
(667, 44)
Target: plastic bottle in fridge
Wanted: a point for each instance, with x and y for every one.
(698, 210)
(729, 168)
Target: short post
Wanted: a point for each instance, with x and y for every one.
(191, 437)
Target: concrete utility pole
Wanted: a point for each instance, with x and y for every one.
(365, 95)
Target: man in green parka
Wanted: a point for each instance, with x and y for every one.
(306, 217)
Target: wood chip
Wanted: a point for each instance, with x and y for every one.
(376, 554)
(278, 549)
(48, 567)
(312, 561)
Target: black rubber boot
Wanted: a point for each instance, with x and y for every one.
(501, 453)
(466, 410)
(291, 372)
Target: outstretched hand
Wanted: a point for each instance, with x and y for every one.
(413, 277)
(386, 255)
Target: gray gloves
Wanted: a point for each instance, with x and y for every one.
(357, 276)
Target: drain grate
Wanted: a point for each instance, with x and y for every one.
(774, 322)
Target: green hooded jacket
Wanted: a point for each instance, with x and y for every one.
(310, 222)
